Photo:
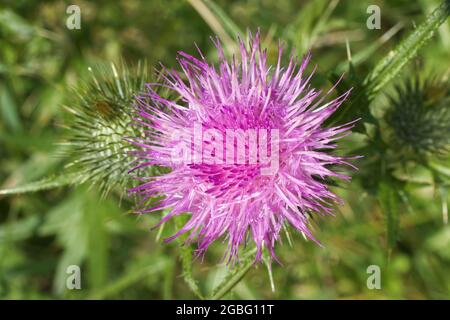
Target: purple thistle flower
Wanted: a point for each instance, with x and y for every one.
(274, 111)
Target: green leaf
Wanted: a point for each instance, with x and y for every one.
(79, 224)
(357, 100)
(19, 230)
(391, 65)
(228, 24)
(9, 109)
(369, 50)
(65, 222)
(15, 26)
(214, 17)
(444, 195)
(132, 276)
(389, 199)
(310, 23)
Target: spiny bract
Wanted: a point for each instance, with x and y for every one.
(101, 109)
(420, 117)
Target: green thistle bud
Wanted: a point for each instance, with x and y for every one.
(102, 110)
(420, 118)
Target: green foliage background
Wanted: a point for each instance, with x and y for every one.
(395, 208)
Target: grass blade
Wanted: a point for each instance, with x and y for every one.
(214, 22)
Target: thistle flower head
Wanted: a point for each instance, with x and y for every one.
(101, 109)
(245, 145)
(420, 117)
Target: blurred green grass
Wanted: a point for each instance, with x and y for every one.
(42, 233)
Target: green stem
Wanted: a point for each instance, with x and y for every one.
(234, 277)
(186, 252)
(391, 65)
(43, 184)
